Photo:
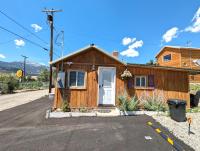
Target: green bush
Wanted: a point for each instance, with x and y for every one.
(154, 102)
(8, 83)
(193, 110)
(126, 104)
(83, 109)
(65, 106)
(44, 75)
(31, 85)
(195, 87)
(4, 88)
(123, 102)
(132, 104)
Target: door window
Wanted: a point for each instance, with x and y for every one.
(107, 78)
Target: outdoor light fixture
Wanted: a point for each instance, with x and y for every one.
(69, 63)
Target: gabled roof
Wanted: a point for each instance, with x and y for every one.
(191, 71)
(175, 47)
(86, 49)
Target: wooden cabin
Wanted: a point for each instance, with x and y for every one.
(90, 77)
(180, 57)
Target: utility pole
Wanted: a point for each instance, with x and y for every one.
(50, 15)
(25, 57)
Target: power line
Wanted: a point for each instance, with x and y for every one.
(11, 40)
(22, 26)
(36, 44)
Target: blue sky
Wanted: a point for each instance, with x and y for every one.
(145, 25)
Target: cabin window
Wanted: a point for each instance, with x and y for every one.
(140, 81)
(76, 79)
(167, 57)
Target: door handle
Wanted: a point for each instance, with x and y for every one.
(100, 86)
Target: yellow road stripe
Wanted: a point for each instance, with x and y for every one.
(158, 130)
(149, 123)
(170, 141)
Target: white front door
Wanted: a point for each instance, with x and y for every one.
(107, 76)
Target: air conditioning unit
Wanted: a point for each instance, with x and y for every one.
(61, 80)
(196, 62)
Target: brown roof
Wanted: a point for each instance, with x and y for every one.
(175, 47)
(191, 71)
(86, 49)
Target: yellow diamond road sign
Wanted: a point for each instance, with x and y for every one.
(19, 73)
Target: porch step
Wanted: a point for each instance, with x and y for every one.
(105, 109)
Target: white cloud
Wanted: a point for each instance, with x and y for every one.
(195, 27)
(36, 27)
(136, 44)
(131, 51)
(170, 34)
(19, 42)
(127, 40)
(2, 56)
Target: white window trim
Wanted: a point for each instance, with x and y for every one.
(141, 76)
(76, 87)
(167, 60)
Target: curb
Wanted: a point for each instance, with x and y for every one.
(47, 114)
(50, 114)
(168, 139)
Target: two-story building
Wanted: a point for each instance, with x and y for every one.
(180, 57)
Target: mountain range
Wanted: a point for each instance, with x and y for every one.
(32, 68)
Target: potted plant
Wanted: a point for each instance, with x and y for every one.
(126, 75)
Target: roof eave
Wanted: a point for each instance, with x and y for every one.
(191, 71)
(84, 49)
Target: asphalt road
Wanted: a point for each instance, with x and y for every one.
(12, 100)
(24, 128)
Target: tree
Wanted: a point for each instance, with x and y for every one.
(151, 62)
(44, 75)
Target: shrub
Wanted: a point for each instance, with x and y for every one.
(123, 102)
(126, 104)
(83, 110)
(44, 75)
(31, 85)
(9, 83)
(132, 104)
(193, 110)
(4, 88)
(154, 102)
(195, 87)
(65, 106)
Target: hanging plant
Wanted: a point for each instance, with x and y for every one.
(126, 75)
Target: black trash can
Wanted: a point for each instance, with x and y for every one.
(177, 109)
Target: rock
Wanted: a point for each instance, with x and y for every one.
(180, 129)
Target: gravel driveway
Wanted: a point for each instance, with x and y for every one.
(180, 129)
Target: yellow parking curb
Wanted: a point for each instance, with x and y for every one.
(168, 139)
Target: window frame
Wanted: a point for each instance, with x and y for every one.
(76, 87)
(140, 76)
(167, 55)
